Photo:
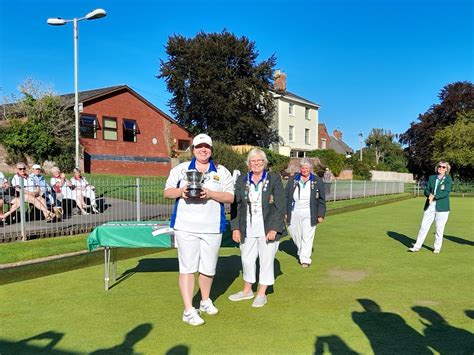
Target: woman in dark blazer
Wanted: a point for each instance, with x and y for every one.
(257, 216)
(306, 207)
(436, 207)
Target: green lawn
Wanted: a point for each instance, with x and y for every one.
(364, 293)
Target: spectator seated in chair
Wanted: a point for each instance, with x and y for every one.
(83, 190)
(7, 197)
(45, 190)
(32, 192)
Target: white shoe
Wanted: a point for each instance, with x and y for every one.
(208, 307)
(259, 301)
(413, 249)
(436, 251)
(240, 296)
(192, 317)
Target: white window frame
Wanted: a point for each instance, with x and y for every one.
(307, 136)
(291, 109)
(307, 113)
(323, 143)
(291, 133)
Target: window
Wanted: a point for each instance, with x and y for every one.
(323, 143)
(291, 109)
(110, 128)
(130, 130)
(307, 136)
(88, 126)
(183, 144)
(307, 114)
(291, 133)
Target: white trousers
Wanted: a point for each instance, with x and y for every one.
(440, 218)
(302, 234)
(252, 248)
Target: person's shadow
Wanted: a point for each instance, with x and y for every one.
(134, 336)
(405, 240)
(178, 350)
(388, 333)
(443, 337)
(334, 344)
(227, 270)
(289, 247)
(459, 240)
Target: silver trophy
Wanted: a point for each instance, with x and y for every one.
(195, 181)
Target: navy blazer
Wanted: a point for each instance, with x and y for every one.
(317, 201)
(273, 205)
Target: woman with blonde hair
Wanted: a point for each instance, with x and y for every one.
(257, 216)
(437, 207)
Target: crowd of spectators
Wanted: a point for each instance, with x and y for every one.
(48, 198)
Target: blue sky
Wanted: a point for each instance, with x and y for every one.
(369, 64)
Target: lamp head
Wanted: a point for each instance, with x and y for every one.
(56, 21)
(97, 13)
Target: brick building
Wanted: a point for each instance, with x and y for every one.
(122, 133)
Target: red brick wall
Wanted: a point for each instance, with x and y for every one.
(151, 123)
(323, 133)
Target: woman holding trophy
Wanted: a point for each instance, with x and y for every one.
(257, 225)
(200, 187)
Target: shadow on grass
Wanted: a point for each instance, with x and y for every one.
(332, 344)
(406, 241)
(27, 346)
(388, 333)
(178, 350)
(443, 337)
(459, 240)
(289, 247)
(133, 337)
(469, 313)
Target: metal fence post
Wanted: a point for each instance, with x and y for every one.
(350, 191)
(375, 189)
(365, 182)
(335, 188)
(22, 211)
(137, 185)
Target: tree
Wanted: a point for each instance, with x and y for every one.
(455, 98)
(218, 87)
(330, 158)
(381, 141)
(455, 143)
(39, 127)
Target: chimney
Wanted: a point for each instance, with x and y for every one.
(279, 81)
(338, 134)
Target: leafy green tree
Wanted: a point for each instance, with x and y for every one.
(219, 88)
(455, 143)
(276, 162)
(381, 141)
(455, 98)
(225, 155)
(330, 158)
(39, 127)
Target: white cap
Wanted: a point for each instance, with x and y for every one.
(36, 166)
(202, 138)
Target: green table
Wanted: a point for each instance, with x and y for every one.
(135, 234)
(127, 234)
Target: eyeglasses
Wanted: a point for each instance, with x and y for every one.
(442, 166)
(21, 168)
(256, 161)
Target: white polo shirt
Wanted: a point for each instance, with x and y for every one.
(28, 182)
(196, 215)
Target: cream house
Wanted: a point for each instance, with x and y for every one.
(296, 119)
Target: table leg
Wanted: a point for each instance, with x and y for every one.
(107, 267)
(114, 264)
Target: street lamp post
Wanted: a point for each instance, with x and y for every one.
(360, 138)
(93, 15)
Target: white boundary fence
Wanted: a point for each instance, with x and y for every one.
(138, 199)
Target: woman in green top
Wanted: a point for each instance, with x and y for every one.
(437, 191)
